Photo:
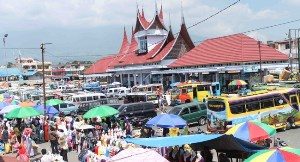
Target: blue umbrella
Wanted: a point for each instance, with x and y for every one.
(3, 104)
(50, 110)
(167, 121)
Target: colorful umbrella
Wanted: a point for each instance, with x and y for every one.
(23, 112)
(138, 154)
(101, 111)
(53, 102)
(283, 154)
(3, 104)
(27, 104)
(8, 108)
(50, 110)
(251, 131)
(237, 83)
(167, 121)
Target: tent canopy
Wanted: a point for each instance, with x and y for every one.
(232, 144)
(221, 143)
(172, 141)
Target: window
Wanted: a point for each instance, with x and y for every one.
(63, 105)
(190, 89)
(252, 106)
(90, 98)
(194, 109)
(82, 99)
(183, 91)
(143, 47)
(294, 100)
(267, 103)
(185, 111)
(237, 108)
(96, 97)
(138, 107)
(71, 105)
(287, 46)
(202, 106)
(203, 87)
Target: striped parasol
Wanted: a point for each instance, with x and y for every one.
(237, 83)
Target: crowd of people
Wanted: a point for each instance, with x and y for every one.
(104, 138)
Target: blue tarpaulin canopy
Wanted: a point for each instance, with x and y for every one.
(172, 141)
(7, 72)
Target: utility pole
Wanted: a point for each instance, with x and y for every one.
(260, 66)
(290, 53)
(44, 84)
(4, 45)
(298, 44)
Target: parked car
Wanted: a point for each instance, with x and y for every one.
(138, 112)
(67, 108)
(191, 112)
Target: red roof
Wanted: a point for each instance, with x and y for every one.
(228, 49)
(100, 66)
(125, 43)
(155, 55)
(161, 15)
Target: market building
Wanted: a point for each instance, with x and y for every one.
(155, 55)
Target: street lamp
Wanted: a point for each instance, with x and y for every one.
(44, 84)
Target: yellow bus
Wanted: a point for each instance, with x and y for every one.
(270, 107)
(198, 90)
(293, 97)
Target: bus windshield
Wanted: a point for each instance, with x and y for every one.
(216, 106)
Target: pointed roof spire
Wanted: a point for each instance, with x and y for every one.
(125, 43)
(143, 14)
(161, 15)
(156, 10)
(182, 16)
(170, 23)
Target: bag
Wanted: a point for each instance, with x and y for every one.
(7, 148)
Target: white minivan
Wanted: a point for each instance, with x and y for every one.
(119, 92)
(67, 108)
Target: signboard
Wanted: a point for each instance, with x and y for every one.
(250, 69)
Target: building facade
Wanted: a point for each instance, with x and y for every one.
(29, 64)
(155, 55)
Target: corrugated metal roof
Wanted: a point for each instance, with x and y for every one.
(5, 72)
(228, 49)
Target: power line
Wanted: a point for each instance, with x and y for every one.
(215, 14)
(23, 48)
(271, 26)
(260, 28)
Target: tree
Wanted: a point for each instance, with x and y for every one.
(9, 65)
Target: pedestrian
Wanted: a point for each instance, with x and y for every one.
(5, 139)
(53, 141)
(63, 145)
(46, 130)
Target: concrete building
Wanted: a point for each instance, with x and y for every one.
(26, 64)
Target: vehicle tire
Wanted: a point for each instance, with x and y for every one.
(72, 113)
(187, 101)
(202, 121)
(288, 126)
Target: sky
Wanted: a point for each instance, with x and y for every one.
(91, 29)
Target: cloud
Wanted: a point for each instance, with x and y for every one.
(291, 2)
